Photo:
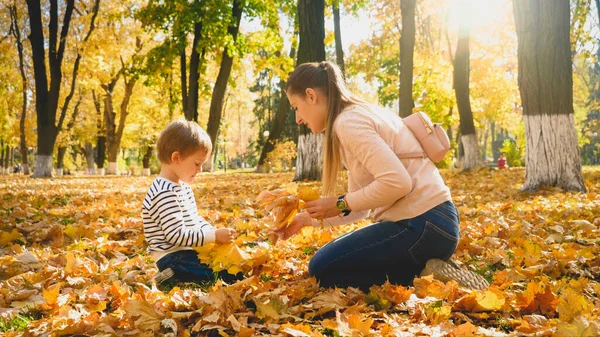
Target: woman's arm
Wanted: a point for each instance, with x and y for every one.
(362, 143)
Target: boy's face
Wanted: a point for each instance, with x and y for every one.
(188, 168)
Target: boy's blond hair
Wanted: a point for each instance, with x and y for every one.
(185, 137)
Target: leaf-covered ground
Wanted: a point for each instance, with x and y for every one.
(73, 261)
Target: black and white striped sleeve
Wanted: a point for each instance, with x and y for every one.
(168, 215)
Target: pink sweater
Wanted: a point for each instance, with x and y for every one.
(371, 138)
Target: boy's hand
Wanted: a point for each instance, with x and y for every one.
(224, 235)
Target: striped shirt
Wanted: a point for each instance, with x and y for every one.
(171, 220)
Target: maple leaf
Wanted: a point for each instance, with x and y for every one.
(572, 304)
(149, 319)
(537, 298)
(272, 306)
(285, 203)
(8, 237)
(491, 299)
(580, 326)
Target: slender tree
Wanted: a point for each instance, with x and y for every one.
(16, 31)
(100, 133)
(407, 47)
(463, 101)
(218, 95)
(337, 30)
(546, 86)
(311, 48)
(278, 122)
(62, 149)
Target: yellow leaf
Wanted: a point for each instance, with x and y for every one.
(466, 330)
(8, 237)
(486, 300)
(148, 319)
(580, 327)
(307, 193)
(71, 263)
(271, 307)
(572, 304)
(51, 293)
(96, 307)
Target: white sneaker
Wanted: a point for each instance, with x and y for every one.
(163, 276)
(447, 270)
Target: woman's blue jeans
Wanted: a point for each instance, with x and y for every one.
(188, 268)
(394, 251)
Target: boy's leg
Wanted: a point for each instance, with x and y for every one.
(188, 268)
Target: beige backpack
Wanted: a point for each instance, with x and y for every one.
(432, 137)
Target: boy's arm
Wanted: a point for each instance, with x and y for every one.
(169, 216)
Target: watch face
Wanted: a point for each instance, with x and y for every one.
(341, 205)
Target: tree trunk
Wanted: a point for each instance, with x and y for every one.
(463, 101)
(48, 97)
(339, 50)
(2, 151)
(546, 87)
(89, 156)
(191, 103)
(114, 131)
(278, 124)
(63, 148)
(218, 94)
(19, 43)
(146, 160)
(60, 157)
(311, 19)
(308, 146)
(100, 136)
(407, 47)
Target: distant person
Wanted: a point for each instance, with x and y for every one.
(417, 225)
(502, 164)
(172, 226)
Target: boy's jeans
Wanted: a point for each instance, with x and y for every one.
(387, 250)
(188, 268)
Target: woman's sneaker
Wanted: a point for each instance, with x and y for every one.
(447, 270)
(164, 275)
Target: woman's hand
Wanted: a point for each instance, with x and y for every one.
(322, 208)
(300, 220)
(224, 235)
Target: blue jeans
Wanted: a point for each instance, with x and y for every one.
(188, 268)
(388, 250)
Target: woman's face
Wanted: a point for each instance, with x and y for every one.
(311, 109)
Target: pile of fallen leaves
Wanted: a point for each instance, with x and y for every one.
(73, 261)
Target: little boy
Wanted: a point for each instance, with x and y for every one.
(172, 225)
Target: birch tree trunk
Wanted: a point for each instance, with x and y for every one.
(311, 48)
(546, 86)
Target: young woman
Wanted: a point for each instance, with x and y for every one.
(416, 219)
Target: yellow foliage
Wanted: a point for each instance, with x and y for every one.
(85, 265)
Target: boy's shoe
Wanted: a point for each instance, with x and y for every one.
(447, 270)
(164, 275)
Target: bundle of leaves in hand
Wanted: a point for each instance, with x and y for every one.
(284, 203)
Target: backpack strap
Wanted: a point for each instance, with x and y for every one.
(413, 155)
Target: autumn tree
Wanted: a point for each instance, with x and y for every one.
(16, 32)
(311, 48)
(48, 97)
(463, 100)
(407, 46)
(337, 30)
(283, 66)
(218, 94)
(546, 86)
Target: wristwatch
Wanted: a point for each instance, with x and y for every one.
(342, 205)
